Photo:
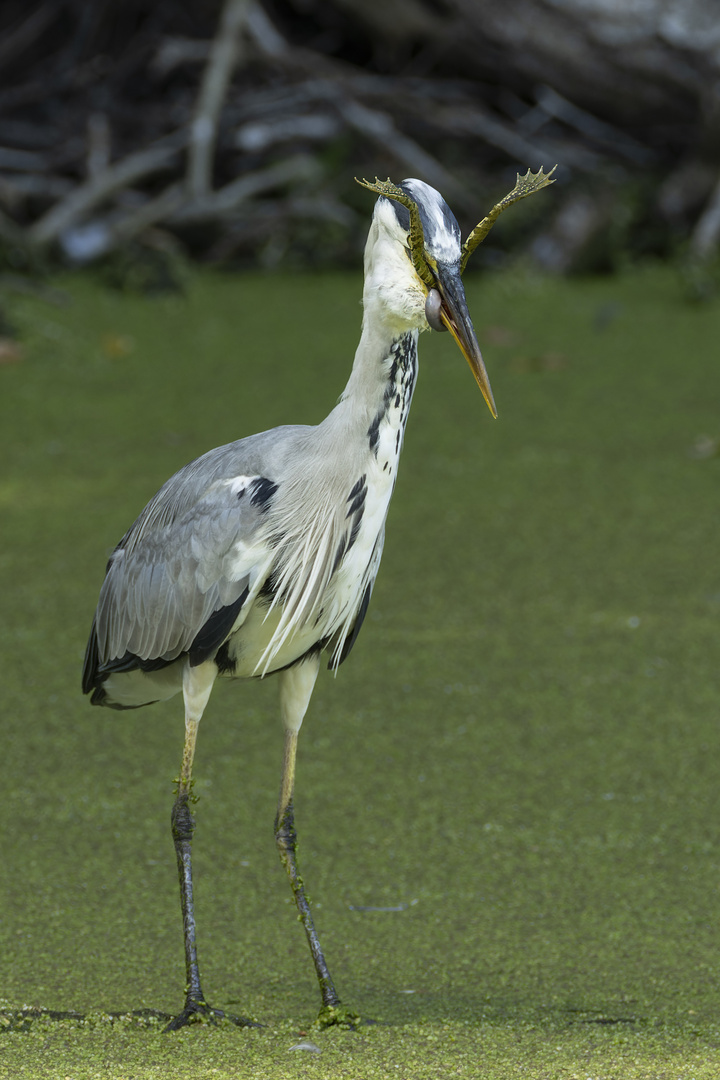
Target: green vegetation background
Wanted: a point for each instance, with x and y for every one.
(520, 755)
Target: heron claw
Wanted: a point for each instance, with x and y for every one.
(199, 1012)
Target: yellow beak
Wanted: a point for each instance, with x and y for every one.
(456, 317)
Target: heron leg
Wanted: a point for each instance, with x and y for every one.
(197, 684)
(296, 688)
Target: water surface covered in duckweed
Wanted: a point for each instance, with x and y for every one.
(507, 800)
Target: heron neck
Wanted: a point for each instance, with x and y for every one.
(382, 380)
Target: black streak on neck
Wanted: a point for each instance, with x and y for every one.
(399, 386)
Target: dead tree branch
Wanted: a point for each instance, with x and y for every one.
(87, 196)
(213, 90)
(233, 131)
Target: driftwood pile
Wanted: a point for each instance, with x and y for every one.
(232, 131)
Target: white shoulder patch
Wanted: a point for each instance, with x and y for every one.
(238, 484)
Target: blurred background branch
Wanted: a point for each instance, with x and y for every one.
(232, 131)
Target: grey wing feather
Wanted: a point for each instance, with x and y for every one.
(260, 454)
(196, 548)
(157, 596)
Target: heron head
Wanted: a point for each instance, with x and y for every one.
(433, 244)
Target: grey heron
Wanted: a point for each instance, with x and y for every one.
(261, 555)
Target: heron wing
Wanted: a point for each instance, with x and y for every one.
(196, 551)
(180, 578)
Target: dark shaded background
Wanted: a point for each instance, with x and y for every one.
(232, 132)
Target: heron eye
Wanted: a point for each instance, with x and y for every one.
(433, 306)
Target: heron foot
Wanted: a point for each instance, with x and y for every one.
(338, 1016)
(199, 1012)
